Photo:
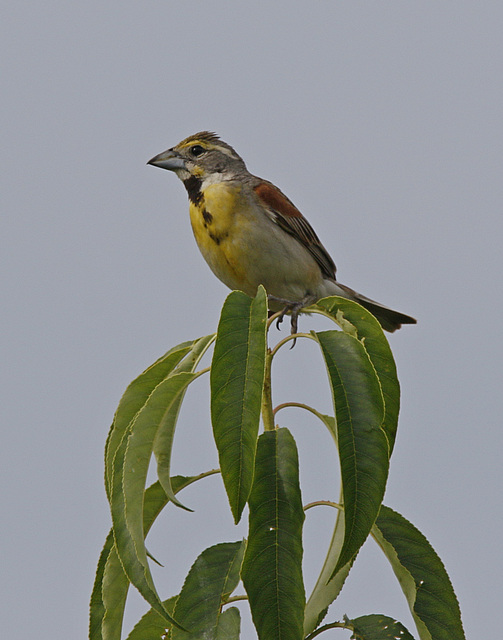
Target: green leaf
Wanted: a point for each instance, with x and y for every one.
(115, 584)
(135, 397)
(96, 605)
(130, 472)
(327, 588)
(134, 561)
(130, 464)
(329, 584)
(152, 625)
(211, 578)
(111, 584)
(163, 442)
(422, 576)
(114, 589)
(360, 323)
(272, 567)
(378, 627)
(237, 378)
(363, 445)
(229, 625)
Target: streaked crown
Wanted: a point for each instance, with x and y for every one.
(206, 152)
(208, 140)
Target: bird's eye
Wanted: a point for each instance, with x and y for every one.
(197, 150)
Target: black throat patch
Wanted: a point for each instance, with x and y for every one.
(193, 186)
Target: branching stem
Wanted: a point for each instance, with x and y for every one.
(326, 627)
(235, 599)
(292, 336)
(298, 405)
(323, 503)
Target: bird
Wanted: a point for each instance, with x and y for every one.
(251, 234)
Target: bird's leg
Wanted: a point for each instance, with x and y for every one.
(293, 308)
(286, 308)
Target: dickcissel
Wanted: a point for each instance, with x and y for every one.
(250, 233)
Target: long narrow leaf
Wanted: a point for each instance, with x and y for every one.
(130, 471)
(114, 590)
(97, 608)
(272, 568)
(237, 377)
(422, 576)
(111, 584)
(360, 323)
(135, 566)
(135, 397)
(363, 445)
(135, 462)
(329, 584)
(327, 588)
(163, 442)
(211, 578)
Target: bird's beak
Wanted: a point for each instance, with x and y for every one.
(169, 159)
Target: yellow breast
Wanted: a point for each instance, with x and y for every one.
(214, 214)
(217, 222)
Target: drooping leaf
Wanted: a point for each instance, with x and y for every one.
(360, 323)
(143, 431)
(422, 576)
(236, 378)
(130, 546)
(163, 442)
(327, 588)
(114, 590)
(130, 472)
(272, 568)
(362, 442)
(211, 578)
(96, 605)
(329, 584)
(135, 397)
(111, 584)
(378, 627)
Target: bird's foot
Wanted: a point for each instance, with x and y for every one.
(293, 308)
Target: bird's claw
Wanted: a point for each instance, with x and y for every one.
(294, 309)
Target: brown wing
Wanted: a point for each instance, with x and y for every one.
(290, 219)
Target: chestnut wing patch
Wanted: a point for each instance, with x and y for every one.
(290, 219)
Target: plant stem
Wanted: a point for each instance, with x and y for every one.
(235, 599)
(326, 627)
(292, 336)
(267, 413)
(323, 503)
(299, 405)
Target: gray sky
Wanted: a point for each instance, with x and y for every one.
(382, 122)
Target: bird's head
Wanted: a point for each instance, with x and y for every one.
(203, 156)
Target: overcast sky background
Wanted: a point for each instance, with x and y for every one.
(382, 122)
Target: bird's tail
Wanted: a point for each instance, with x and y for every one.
(390, 320)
